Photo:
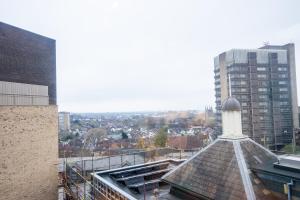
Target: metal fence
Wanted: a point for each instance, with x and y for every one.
(87, 165)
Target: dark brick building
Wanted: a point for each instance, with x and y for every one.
(26, 57)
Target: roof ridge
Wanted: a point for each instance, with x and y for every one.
(264, 148)
(243, 170)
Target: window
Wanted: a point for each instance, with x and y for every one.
(261, 76)
(244, 104)
(233, 75)
(238, 76)
(261, 69)
(238, 82)
(282, 82)
(231, 69)
(269, 139)
(245, 118)
(262, 96)
(282, 75)
(234, 82)
(284, 109)
(263, 83)
(244, 97)
(282, 69)
(245, 126)
(283, 96)
(244, 111)
(261, 118)
(284, 103)
(243, 89)
(263, 103)
(283, 89)
(262, 89)
(263, 110)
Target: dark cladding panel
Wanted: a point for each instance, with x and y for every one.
(27, 57)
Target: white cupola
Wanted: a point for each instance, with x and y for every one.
(231, 119)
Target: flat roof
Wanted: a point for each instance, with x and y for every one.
(164, 189)
(278, 171)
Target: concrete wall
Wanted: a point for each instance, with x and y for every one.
(28, 152)
(23, 94)
(223, 78)
(293, 79)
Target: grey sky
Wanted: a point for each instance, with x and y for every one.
(135, 55)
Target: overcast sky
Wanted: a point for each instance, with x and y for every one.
(141, 55)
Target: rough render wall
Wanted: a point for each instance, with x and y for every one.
(293, 82)
(28, 152)
(223, 77)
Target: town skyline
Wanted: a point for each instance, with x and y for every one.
(120, 56)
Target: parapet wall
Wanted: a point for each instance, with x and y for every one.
(28, 152)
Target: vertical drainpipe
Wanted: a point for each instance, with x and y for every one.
(290, 184)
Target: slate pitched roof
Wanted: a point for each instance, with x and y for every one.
(256, 154)
(222, 171)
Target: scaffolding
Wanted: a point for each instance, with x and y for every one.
(77, 183)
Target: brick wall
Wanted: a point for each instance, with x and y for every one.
(26, 57)
(28, 152)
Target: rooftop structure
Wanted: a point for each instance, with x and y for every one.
(221, 171)
(135, 182)
(225, 168)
